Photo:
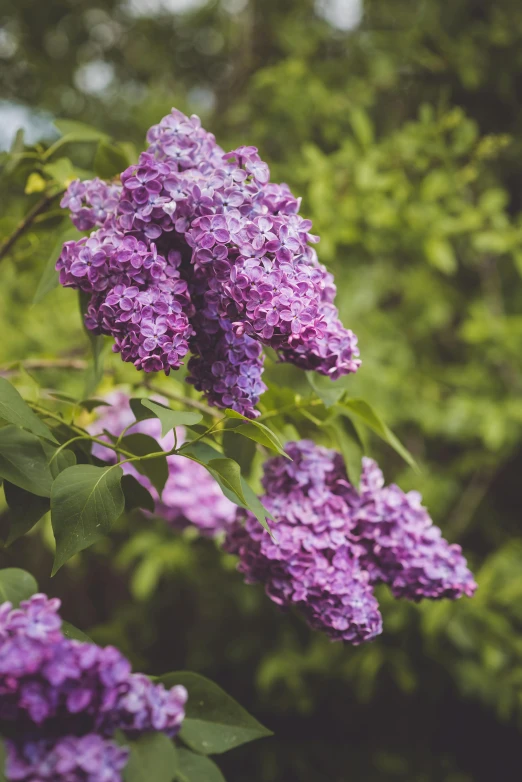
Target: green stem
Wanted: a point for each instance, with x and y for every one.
(85, 436)
(205, 434)
(72, 440)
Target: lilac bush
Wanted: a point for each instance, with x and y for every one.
(191, 497)
(331, 543)
(198, 250)
(62, 700)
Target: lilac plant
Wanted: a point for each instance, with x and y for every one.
(62, 700)
(331, 543)
(198, 250)
(190, 497)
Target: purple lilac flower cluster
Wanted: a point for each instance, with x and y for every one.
(62, 700)
(197, 249)
(190, 497)
(332, 543)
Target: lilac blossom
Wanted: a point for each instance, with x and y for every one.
(137, 296)
(61, 700)
(92, 203)
(331, 543)
(197, 248)
(89, 758)
(191, 497)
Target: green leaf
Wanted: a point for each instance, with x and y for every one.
(72, 632)
(229, 473)
(35, 183)
(214, 722)
(110, 160)
(16, 585)
(329, 391)
(255, 506)
(78, 131)
(59, 463)
(241, 449)
(140, 412)
(197, 768)
(153, 758)
(200, 452)
(367, 414)
(204, 454)
(61, 170)
(23, 461)
(256, 431)
(136, 495)
(156, 470)
(171, 418)
(441, 255)
(85, 503)
(50, 278)
(25, 510)
(15, 411)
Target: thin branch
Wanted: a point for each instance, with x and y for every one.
(37, 209)
(35, 364)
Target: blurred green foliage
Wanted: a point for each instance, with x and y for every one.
(403, 135)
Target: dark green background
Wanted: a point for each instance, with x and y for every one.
(403, 137)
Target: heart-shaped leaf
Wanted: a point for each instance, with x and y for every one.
(16, 585)
(214, 722)
(85, 503)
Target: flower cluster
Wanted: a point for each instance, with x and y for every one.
(331, 543)
(190, 497)
(137, 297)
(62, 700)
(197, 249)
(92, 203)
